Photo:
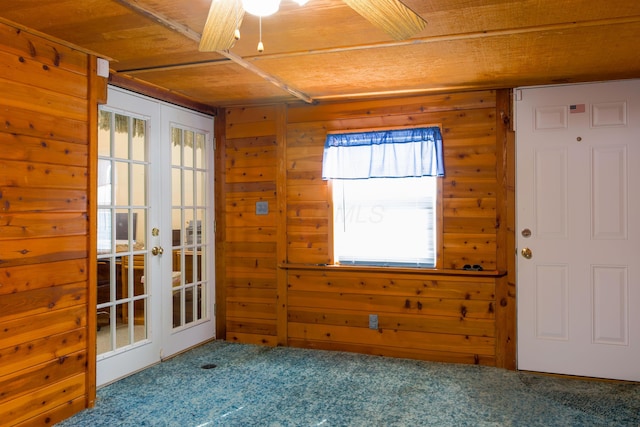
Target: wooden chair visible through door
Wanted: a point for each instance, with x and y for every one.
(138, 286)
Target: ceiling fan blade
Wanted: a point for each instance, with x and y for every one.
(225, 16)
(392, 16)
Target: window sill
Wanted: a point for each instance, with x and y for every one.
(404, 270)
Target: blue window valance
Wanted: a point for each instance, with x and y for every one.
(395, 153)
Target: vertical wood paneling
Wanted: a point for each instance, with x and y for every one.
(450, 315)
(46, 299)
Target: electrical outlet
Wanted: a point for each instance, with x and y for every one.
(373, 321)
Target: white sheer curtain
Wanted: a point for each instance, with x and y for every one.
(104, 199)
(383, 154)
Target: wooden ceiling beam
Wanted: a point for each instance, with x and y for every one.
(196, 37)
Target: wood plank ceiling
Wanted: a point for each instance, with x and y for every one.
(325, 51)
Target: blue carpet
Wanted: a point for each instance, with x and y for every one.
(264, 386)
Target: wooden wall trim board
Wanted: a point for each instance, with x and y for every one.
(430, 272)
(420, 311)
(156, 92)
(281, 246)
(508, 325)
(505, 286)
(97, 95)
(220, 223)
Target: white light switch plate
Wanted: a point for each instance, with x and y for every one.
(103, 68)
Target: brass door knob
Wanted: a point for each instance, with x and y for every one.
(526, 252)
(157, 250)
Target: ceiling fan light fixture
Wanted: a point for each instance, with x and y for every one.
(391, 16)
(261, 7)
(301, 2)
(225, 16)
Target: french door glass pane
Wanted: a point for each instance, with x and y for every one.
(188, 185)
(122, 219)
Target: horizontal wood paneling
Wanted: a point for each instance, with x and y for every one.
(406, 352)
(394, 338)
(40, 251)
(21, 278)
(18, 332)
(44, 229)
(20, 121)
(37, 176)
(42, 150)
(395, 321)
(468, 122)
(36, 352)
(43, 101)
(391, 304)
(332, 112)
(249, 270)
(20, 70)
(57, 414)
(42, 375)
(21, 44)
(393, 284)
(48, 398)
(15, 306)
(16, 199)
(23, 225)
(444, 317)
(251, 327)
(416, 313)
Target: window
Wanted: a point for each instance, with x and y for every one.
(385, 196)
(385, 221)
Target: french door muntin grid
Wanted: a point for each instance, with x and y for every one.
(189, 210)
(122, 219)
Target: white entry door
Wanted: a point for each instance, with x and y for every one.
(578, 234)
(155, 250)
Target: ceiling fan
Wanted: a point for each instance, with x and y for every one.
(221, 29)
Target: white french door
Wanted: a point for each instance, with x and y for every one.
(155, 252)
(189, 296)
(577, 235)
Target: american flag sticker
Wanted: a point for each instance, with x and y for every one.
(576, 108)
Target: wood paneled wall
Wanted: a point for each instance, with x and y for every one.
(49, 95)
(278, 289)
(250, 240)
